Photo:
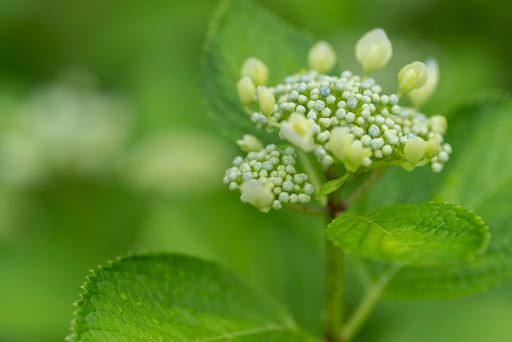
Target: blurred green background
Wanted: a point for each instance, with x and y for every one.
(106, 149)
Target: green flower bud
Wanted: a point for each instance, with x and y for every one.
(249, 143)
(299, 131)
(322, 57)
(373, 50)
(266, 100)
(256, 70)
(432, 147)
(351, 153)
(412, 76)
(421, 95)
(246, 90)
(257, 194)
(414, 150)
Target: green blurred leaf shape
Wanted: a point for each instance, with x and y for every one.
(333, 185)
(479, 177)
(175, 298)
(427, 234)
(241, 29)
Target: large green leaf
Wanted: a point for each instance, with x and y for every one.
(175, 298)
(242, 29)
(428, 234)
(479, 177)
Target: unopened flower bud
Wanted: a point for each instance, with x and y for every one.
(299, 131)
(249, 143)
(432, 147)
(246, 90)
(438, 124)
(256, 70)
(343, 147)
(412, 76)
(258, 194)
(414, 150)
(322, 57)
(421, 95)
(373, 50)
(266, 100)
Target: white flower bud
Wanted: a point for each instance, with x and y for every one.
(438, 124)
(246, 90)
(256, 70)
(421, 95)
(249, 143)
(414, 150)
(266, 100)
(257, 194)
(374, 50)
(412, 76)
(351, 153)
(299, 131)
(322, 57)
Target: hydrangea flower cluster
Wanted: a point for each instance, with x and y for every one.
(268, 178)
(67, 127)
(346, 119)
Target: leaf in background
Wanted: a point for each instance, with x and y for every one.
(242, 29)
(479, 177)
(172, 297)
(428, 234)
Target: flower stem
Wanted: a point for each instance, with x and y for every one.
(306, 209)
(333, 292)
(334, 286)
(365, 308)
(365, 186)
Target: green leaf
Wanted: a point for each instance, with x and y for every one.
(175, 298)
(238, 30)
(333, 185)
(478, 176)
(428, 234)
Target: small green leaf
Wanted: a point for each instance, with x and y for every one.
(333, 185)
(175, 298)
(428, 234)
(242, 29)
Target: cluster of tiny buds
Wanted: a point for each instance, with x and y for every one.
(267, 176)
(347, 118)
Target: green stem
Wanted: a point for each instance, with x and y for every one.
(334, 286)
(333, 292)
(306, 209)
(365, 186)
(365, 308)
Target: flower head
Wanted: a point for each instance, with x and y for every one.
(343, 119)
(311, 106)
(268, 178)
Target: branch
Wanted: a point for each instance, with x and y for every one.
(307, 209)
(367, 304)
(364, 187)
